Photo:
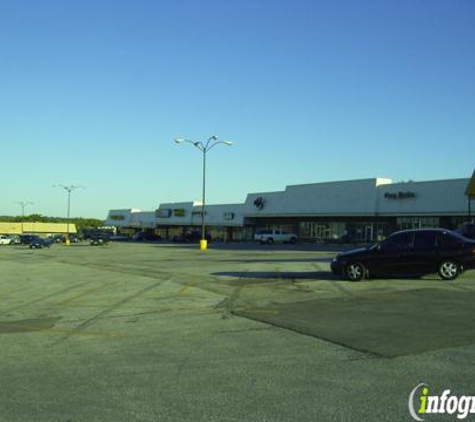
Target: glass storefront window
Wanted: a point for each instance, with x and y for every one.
(314, 230)
(407, 223)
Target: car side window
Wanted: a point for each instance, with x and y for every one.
(447, 241)
(424, 241)
(397, 243)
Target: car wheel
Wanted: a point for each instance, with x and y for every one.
(355, 271)
(293, 240)
(448, 269)
(270, 241)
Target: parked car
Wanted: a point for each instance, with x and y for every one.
(146, 236)
(39, 243)
(98, 237)
(57, 238)
(87, 234)
(5, 240)
(99, 241)
(409, 252)
(61, 238)
(274, 236)
(15, 239)
(25, 239)
(72, 238)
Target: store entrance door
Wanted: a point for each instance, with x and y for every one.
(320, 232)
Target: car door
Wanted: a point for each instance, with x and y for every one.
(424, 255)
(391, 257)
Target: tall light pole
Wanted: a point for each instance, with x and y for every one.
(204, 148)
(68, 189)
(470, 192)
(23, 204)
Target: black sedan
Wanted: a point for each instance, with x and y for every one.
(26, 239)
(409, 252)
(38, 243)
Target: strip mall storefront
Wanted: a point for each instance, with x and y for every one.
(349, 211)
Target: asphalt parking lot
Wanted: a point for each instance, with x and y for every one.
(162, 332)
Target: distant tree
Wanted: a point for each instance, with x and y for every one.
(37, 218)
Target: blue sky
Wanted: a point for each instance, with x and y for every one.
(94, 92)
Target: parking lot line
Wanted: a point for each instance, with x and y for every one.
(86, 293)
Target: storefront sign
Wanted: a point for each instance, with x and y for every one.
(399, 195)
(259, 202)
(179, 212)
(117, 217)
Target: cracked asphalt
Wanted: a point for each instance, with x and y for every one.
(162, 332)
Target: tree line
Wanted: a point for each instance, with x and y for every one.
(80, 222)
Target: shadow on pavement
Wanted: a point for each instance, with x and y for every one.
(277, 260)
(291, 275)
(382, 324)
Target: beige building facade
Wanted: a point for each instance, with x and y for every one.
(36, 228)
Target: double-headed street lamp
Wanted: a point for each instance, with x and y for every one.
(68, 189)
(204, 148)
(23, 204)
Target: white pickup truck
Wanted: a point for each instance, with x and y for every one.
(274, 236)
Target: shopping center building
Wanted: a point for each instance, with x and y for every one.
(355, 210)
(39, 228)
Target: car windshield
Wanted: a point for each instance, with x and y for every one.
(453, 237)
(374, 246)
